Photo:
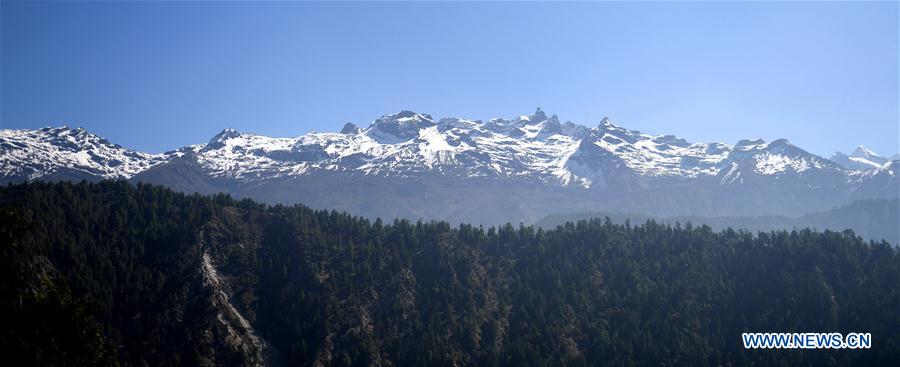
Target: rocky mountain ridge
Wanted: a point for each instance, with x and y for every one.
(600, 164)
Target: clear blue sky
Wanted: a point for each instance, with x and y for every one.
(157, 76)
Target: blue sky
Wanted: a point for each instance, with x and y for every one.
(157, 76)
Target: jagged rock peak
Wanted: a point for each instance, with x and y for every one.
(350, 128)
(538, 115)
(863, 152)
(224, 135)
(219, 139)
(551, 126)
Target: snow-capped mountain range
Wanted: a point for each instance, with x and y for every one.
(47, 152)
(533, 149)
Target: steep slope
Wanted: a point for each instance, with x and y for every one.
(879, 182)
(160, 278)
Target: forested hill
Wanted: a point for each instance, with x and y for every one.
(111, 273)
(871, 219)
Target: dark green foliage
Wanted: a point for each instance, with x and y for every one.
(42, 323)
(871, 219)
(119, 269)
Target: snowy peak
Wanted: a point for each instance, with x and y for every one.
(533, 148)
(755, 157)
(226, 134)
(221, 138)
(861, 159)
(66, 152)
(535, 126)
(664, 156)
(399, 127)
(606, 124)
(550, 127)
(606, 127)
(783, 146)
(528, 126)
(781, 143)
(863, 152)
(537, 116)
(865, 156)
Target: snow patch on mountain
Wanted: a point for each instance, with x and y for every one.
(32, 154)
(777, 158)
(861, 159)
(660, 156)
(534, 148)
(398, 127)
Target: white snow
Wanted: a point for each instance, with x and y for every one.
(36, 153)
(863, 152)
(648, 157)
(865, 161)
(518, 149)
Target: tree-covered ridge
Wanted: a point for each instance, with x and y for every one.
(141, 275)
(875, 219)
